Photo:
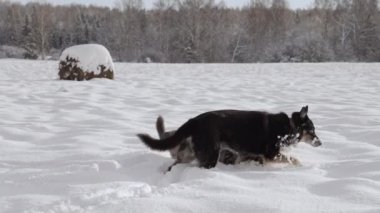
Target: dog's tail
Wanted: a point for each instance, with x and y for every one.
(183, 132)
(160, 127)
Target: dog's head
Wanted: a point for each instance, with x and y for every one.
(305, 130)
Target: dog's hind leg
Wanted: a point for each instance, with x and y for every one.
(252, 157)
(208, 159)
(206, 150)
(228, 157)
(171, 166)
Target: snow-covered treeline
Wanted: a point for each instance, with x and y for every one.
(197, 31)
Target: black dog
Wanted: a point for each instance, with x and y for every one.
(252, 133)
(184, 152)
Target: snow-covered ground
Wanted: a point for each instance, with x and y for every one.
(71, 146)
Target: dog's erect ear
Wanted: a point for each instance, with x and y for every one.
(303, 112)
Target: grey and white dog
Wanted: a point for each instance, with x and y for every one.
(183, 153)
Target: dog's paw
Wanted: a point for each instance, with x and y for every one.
(294, 161)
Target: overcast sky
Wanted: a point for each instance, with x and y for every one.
(148, 3)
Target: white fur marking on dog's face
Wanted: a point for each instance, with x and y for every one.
(310, 139)
(316, 142)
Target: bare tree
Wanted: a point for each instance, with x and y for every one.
(199, 30)
(41, 25)
(13, 19)
(366, 40)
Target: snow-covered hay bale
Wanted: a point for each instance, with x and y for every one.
(84, 62)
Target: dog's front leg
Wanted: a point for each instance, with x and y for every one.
(281, 158)
(251, 157)
(294, 161)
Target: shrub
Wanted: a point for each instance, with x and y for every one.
(85, 62)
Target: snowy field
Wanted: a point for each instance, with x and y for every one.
(71, 146)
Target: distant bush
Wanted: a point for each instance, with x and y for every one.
(12, 52)
(85, 62)
(68, 70)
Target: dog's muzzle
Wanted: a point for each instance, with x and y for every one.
(310, 138)
(316, 142)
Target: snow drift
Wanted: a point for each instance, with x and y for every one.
(69, 147)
